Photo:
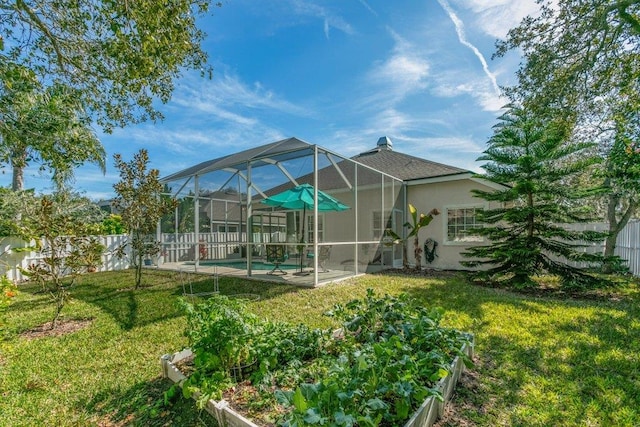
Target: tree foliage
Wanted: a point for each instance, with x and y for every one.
(139, 201)
(575, 51)
(417, 223)
(584, 58)
(61, 226)
(113, 225)
(44, 125)
(118, 55)
(526, 239)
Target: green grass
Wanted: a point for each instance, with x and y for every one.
(540, 360)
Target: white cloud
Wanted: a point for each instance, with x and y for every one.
(329, 19)
(496, 17)
(227, 90)
(403, 73)
(368, 7)
(455, 83)
(459, 25)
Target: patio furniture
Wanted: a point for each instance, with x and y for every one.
(324, 252)
(276, 254)
(302, 197)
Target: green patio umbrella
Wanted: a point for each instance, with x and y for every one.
(301, 197)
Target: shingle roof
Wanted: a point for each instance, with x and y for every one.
(404, 166)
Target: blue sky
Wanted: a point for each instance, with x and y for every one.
(338, 73)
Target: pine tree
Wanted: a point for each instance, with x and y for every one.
(532, 159)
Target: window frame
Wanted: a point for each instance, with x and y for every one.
(387, 213)
(309, 227)
(446, 241)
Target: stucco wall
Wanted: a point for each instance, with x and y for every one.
(441, 195)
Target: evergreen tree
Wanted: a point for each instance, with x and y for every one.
(532, 158)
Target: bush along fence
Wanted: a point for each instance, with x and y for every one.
(13, 255)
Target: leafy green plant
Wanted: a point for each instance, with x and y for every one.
(230, 343)
(390, 356)
(376, 370)
(8, 291)
(86, 253)
(416, 224)
(63, 239)
(113, 225)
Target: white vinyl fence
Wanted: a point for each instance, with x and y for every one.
(179, 247)
(627, 245)
(11, 260)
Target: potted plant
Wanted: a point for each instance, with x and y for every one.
(87, 253)
(150, 250)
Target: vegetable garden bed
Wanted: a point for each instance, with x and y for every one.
(374, 372)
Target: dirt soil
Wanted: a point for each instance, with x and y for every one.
(63, 327)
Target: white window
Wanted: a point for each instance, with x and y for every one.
(459, 220)
(380, 223)
(309, 231)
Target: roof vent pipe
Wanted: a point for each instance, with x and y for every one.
(384, 143)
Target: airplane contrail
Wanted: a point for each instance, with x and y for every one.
(463, 39)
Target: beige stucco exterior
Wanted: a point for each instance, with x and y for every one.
(445, 194)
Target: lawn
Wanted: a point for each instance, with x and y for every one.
(540, 360)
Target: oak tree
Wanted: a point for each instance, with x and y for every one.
(120, 56)
(43, 125)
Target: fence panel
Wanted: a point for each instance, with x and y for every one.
(180, 247)
(627, 244)
(12, 261)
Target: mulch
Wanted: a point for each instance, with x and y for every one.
(63, 327)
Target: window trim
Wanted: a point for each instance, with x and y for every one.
(387, 213)
(309, 227)
(445, 226)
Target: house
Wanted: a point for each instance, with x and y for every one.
(376, 187)
(432, 185)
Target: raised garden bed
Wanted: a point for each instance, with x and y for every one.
(428, 413)
(390, 364)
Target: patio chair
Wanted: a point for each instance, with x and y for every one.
(324, 252)
(276, 254)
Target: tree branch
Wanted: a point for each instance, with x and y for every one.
(621, 7)
(45, 30)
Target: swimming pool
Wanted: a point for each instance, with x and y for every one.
(242, 265)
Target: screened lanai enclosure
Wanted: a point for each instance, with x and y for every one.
(230, 216)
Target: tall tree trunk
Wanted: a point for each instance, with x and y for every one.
(17, 183)
(18, 163)
(615, 226)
